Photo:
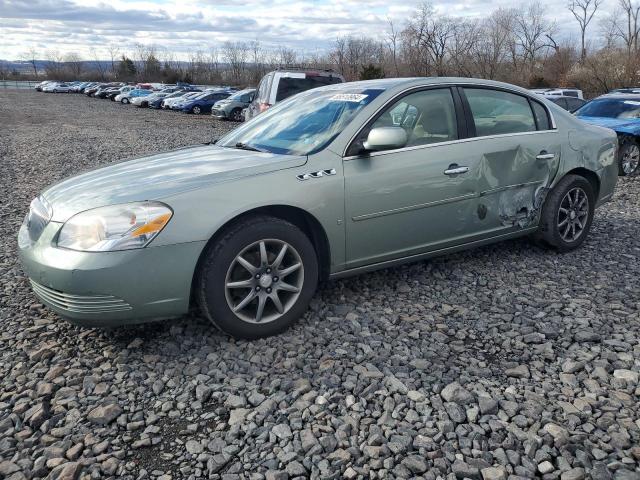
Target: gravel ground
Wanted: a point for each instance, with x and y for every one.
(503, 362)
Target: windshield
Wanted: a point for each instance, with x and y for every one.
(611, 108)
(302, 125)
(239, 95)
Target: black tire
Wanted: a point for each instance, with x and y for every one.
(124, 101)
(629, 146)
(549, 231)
(236, 115)
(210, 288)
(196, 110)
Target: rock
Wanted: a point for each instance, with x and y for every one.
(415, 464)
(545, 467)
(276, 475)
(282, 431)
(628, 376)
(521, 371)
(571, 366)
(7, 468)
(463, 470)
(296, 469)
(238, 415)
(454, 392)
(573, 474)
(66, 471)
(104, 414)
(488, 406)
(494, 473)
(194, 447)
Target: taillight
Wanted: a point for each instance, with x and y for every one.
(264, 107)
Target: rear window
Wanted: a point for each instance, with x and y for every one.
(288, 87)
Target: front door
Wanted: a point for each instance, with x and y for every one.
(421, 197)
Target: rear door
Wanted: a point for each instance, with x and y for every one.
(518, 150)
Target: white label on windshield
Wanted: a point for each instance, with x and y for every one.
(349, 97)
(632, 102)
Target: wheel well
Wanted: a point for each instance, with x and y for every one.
(591, 177)
(299, 217)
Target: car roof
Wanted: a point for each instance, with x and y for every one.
(403, 83)
(620, 96)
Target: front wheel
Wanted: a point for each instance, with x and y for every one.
(567, 214)
(236, 115)
(124, 101)
(258, 278)
(628, 156)
(196, 110)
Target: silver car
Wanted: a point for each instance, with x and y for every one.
(332, 182)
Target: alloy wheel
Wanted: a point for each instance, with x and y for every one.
(237, 115)
(196, 110)
(630, 158)
(573, 214)
(264, 281)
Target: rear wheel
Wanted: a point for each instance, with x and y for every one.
(628, 156)
(567, 214)
(124, 101)
(196, 110)
(259, 278)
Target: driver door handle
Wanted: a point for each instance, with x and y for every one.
(455, 169)
(543, 155)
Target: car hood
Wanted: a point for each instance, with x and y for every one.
(623, 125)
(159, 176)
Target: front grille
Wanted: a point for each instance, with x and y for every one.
(79, 303)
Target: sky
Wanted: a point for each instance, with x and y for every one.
(182, 26)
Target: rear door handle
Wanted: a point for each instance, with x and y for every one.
(455, 169)
(543, 155)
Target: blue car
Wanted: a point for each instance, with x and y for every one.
(202, 103)
(619, 112)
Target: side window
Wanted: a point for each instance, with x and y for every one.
(496, 112)
(542, 117)
(574, 103)
(263, 89)
(428, 116)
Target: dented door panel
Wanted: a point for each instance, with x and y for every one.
(516, 172)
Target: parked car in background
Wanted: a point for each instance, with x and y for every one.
(280, 84)
(57, 87)
(336, 181)
(92, 89)
(231, 108)
(157, 101)
(619, 112)
(566, 92)
(126, 97)
(106, 92)
(201, 103)
(570, 104)
(41, 85)
(143, 101)
(169, 103)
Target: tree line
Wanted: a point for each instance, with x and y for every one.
(519, 45)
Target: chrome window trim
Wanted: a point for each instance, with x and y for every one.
(449, 142)
(554, 127)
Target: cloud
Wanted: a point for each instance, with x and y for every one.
(182, 26)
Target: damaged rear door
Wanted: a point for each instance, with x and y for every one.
(519, 151)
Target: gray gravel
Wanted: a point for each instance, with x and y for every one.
(503, 362)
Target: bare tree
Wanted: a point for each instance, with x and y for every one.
(31, 56)
(114, 54)
(532, 35)
(73, 65)
(391, 40)
(236, 54)
(583, 11)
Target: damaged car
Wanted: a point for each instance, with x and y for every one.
(620, 112)
(331, 182)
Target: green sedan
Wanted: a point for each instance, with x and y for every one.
(332, 182)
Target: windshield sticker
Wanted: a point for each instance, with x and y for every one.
(349, 97)
(632, 102)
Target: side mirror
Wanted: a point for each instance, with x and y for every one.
(385, 138)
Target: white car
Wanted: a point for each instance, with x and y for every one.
(57, 88)
(169, 103)
(557, 92)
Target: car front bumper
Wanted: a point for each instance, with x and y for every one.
(219, 114)
(101, 289)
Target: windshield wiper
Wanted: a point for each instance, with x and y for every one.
(244, 146)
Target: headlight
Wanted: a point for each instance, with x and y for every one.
(117, 227)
